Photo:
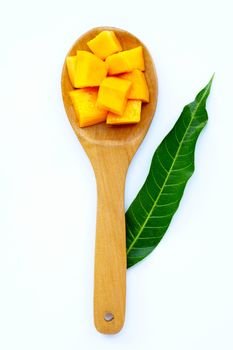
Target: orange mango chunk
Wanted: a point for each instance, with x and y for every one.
(139, 89)
(113, 94)
(104, 44)
(71, 65)
(132, 114)
(125, 61)
(84, 103)
(90, 70)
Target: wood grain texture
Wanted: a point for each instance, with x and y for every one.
(110, 150)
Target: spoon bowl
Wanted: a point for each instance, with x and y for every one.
(110, 149)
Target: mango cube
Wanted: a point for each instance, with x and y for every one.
(139, 89)
(84, 103)
(71, 66)
(125, 61)
(90, 70)
(113, 94)
(132, 114)
(104, 44)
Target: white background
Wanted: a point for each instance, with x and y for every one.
(180, 297)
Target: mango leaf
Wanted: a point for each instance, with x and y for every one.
(151, 212)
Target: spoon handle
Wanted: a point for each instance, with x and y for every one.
(110, 165)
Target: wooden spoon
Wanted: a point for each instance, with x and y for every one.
(110, 150)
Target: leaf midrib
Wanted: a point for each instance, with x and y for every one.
(168, 173)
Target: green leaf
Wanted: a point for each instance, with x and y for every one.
(151, 212)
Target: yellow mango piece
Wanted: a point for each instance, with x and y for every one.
(90, 70)
(125, 61)
(113, 94)
(84, 103)
(132, 114)
(139, 89)
(104, 44)
(71, 64)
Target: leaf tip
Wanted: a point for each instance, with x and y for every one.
(207, 88)
(210, 82)
(212, 78)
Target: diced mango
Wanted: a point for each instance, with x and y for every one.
(84, 103)
(125, 61)
(132, 114)
(113, 94)
(90, 70)
(104, 44)
(71, 65)
(139, 89)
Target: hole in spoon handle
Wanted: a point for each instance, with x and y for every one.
(108, 317)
